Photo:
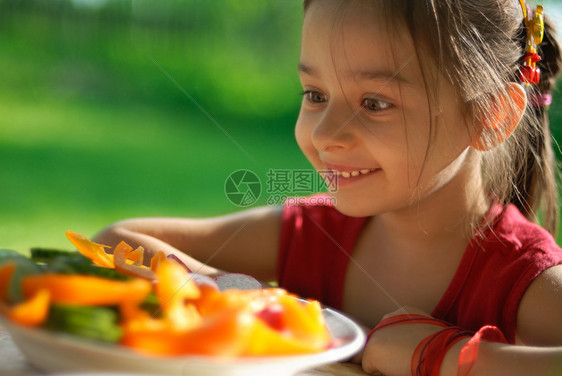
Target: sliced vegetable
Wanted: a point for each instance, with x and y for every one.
(268, 341)
(237, 281)
(32, 312)
(91, 250)
(76, 263)
(23, 267)
(96, 323)
(86, 290)
(175, 290)
(212, 300)
(46, 255)
(272, 315)
(304, 321)
(161, 310)
(136, 257)
(225, 334)
(156, 260)
(7, 270)
(203, 280)
(121, 254)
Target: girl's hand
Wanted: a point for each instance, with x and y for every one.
(390, 349)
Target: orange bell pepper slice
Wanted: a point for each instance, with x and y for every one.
(136, 257)
(156, 260)
(91, 250)
(32, 312)
(212, 300)
(121, 254)
(86, 290)
(224, 334)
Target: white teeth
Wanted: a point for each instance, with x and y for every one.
(348, 174)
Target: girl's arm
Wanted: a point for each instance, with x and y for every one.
(244, 242)
(539, 339)
(499, 359)
(539, 318)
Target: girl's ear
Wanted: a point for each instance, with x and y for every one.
(504, 116)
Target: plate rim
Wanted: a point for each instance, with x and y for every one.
(298, 361)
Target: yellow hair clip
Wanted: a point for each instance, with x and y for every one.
(529, 72)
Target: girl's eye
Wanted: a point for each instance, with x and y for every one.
(314, 97)
(374, 105)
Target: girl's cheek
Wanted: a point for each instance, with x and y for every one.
(299, 135)
(303, 135)
(303, 132)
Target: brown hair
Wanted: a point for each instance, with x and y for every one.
(478, 45)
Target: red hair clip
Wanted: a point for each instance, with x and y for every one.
(529, 72)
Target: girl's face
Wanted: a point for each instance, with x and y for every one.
(365, 113)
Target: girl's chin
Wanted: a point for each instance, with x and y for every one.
(351, 208)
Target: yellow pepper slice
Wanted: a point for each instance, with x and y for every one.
(268, 341)
(175, 289)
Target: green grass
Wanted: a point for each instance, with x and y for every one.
(81, 165)
(93, 131)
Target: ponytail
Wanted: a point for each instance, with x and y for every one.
(534, 188)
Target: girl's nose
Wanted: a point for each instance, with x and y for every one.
(334, 130)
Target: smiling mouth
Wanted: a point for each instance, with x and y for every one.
(354, 173)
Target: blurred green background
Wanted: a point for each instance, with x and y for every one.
(111, 109)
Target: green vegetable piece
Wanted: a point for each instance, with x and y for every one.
(45, 255)
(75, 263)
(94, 323)
(152, 305)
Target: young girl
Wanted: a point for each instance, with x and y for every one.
(443, 158)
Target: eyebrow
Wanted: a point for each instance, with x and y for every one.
(372, 75)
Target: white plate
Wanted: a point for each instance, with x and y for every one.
(52, 352)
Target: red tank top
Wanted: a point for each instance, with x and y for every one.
(317, 241)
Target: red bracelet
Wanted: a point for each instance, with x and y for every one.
(469, 352)
(407, 319)
(431, 351)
